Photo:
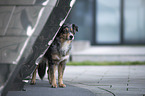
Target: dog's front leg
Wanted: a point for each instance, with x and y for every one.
(52, 69)
(49, 76)
(34, 77)
(61, 68)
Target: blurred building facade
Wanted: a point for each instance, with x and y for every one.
(110, 22)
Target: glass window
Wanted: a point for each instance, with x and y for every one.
(108, 22)
(82, 15)
(134, 17)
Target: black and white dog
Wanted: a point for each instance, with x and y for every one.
(57, 55)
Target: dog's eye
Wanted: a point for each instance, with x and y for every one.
(65, 30)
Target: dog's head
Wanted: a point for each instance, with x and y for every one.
(68, 31)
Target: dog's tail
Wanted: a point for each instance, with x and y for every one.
(42, 68)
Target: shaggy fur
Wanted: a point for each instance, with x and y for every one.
(57, 55)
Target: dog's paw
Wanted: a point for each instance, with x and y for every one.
(62, 85)
(54, 85)
(32, 83)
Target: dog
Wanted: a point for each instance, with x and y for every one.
(57, 55)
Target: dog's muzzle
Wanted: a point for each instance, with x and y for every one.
(71, 36)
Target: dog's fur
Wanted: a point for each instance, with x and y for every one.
(57, 55)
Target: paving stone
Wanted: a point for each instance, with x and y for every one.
(106, 80)
(120, 80)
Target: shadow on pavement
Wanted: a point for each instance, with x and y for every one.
(43, 88)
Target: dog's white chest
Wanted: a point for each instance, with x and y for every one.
(60, 59)
(65, 47)
(64, 58)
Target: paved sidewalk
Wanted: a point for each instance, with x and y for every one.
(108, 80)
(93, 81)
(43, 88)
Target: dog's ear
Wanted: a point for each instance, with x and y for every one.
(75, 27)
(64, 25)
(62, 28)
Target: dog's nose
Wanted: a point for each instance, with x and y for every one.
(71, 37)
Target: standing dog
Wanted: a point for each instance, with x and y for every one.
(57, 55)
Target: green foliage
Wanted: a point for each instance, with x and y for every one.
(90, 63)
